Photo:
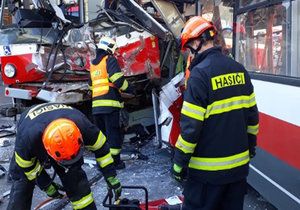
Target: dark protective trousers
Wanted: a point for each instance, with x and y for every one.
(204, 196)
(109, 124)
(75, 183)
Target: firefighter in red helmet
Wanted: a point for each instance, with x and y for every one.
(219, 124)
(193, 29)
(54, 134)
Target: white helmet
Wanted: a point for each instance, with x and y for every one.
(108, 44)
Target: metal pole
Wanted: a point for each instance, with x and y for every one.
(2, 12)
(81, 11)
(198, 8)
(234, 24)
(166, 53)
(156, 115)
(288, 45)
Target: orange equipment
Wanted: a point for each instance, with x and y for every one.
(194, 28)
(62, 139)
(187, 70)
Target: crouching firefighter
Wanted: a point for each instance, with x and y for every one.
(106, 83)
(219, 124)
(54, 134)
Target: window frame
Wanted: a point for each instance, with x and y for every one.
(282, 79)
(267, 3)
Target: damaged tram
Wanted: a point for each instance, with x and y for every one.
(45, 49)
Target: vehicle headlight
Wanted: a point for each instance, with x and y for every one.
(9, 70)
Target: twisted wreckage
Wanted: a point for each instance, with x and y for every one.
(46, 50)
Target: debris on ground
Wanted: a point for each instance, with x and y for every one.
(2, 171)
(4, 142)
(4, 195)
(146, 166)
(6, 131)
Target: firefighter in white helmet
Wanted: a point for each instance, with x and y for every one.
(106, 83)
(107, 44)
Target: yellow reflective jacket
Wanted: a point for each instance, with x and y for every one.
(106, 82)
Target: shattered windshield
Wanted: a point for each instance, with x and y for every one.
(36, 21)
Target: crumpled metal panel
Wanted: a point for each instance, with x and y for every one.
(79, 49)
(139, 54)
(169, 12)
(147, 20)
(68, 93)
(40, 60)
(170, 103)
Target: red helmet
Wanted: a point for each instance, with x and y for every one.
(62, 139)
(194, 28)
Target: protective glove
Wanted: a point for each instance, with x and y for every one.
(52, 190)
(114, 184)
(178, 173)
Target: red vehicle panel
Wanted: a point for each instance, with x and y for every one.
(25, 69)
(140, 57)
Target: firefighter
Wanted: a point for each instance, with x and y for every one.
(54, 134)
(219, 124)
(107, 81)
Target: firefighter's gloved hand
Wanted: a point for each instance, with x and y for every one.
(52, 191)
(178, 173)
(114, 184)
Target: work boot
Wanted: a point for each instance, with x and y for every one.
(119, 164)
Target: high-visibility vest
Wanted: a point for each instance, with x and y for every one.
(100, 78)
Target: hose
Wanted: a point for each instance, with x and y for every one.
(46, 202)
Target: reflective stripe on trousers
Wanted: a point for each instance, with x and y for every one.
(83, 202)
(105, 160)
(98, 144)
